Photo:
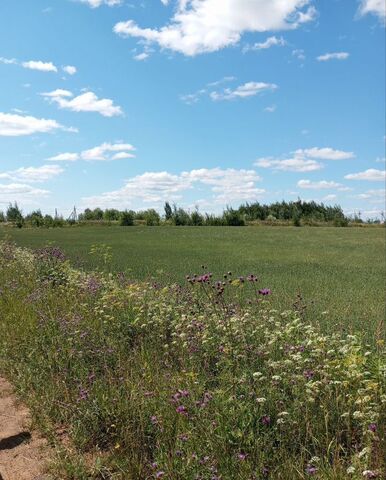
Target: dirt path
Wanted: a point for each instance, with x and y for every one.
(21, 450)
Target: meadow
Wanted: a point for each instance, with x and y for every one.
(339, 272)
(135, 380)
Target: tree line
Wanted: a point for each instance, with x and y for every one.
(296, 213)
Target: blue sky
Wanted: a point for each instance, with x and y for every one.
(127, 104)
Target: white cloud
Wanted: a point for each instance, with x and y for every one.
(375, 7)
(200, 26)
(39, 65)
(268, 43)
(304, 159)
(325, 153)
(98, 3)
(295, 164)
(371, 174)
(249, 89)
(85, 102)
(329, 198)
(70, 69)
(374, 196)
(20, 192)
(65, 157)
(8, 61)
(141, 56)
(156, 187)
(270, 109)
(31, 64)
(299, 54)
(333, 56)
(192, 98)
(13, 125)
(321, 185)
(103, 153)
(33, 174)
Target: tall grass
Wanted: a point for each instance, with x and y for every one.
(206, 381)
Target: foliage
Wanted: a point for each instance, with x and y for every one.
(203, 381)
(340, 272)
(14, 214)
(126, 219)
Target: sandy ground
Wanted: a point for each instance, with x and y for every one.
(22, 451)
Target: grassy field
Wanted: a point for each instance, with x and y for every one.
(339, 271)
(133, 381)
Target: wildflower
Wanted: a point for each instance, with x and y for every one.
(265, 291)
(311, 470)
(261, 400)
(154, 420)
(242, 456)
(370, 474)
(265, 419)
(373, 427)
(181, 410)
(308, 374)
(160, 474)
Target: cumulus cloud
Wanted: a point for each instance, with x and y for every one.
(371, 174)
(13, 125)
(70, 69)
(333, 56)
(192, 98)
(304, 159)
(295, 164)
(98, 3)
(201, 26)
(20, 192)
(325, 153)
(249, 89)
(39, 65)
(33, 174)
(374, 196)
(104, 153)
(31, 64)
(268, 43)
(156, 187)
(374, 7)
(321, 185)
(141, 56)
(85, 102)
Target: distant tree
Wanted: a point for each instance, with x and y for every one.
(151, 217)
(35, 218)
(168, 211)
(111, 214)
(14, 214)
(197, 218)
(2, 217)
(233, 218)
(126, 219)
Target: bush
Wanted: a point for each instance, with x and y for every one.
(233, 218)
(126, 219)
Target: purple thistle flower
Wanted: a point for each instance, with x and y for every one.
(308, 374)
(181, 410)
(241, 456)
(265, 291)
(373, 427)
(311, 470)
(265, 419)
(160, 474)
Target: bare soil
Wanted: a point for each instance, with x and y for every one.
(22, 451)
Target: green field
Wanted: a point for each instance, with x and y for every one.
(340, 271)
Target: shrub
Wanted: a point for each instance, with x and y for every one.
(126, 219)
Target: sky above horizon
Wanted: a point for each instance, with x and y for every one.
(208, 103)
